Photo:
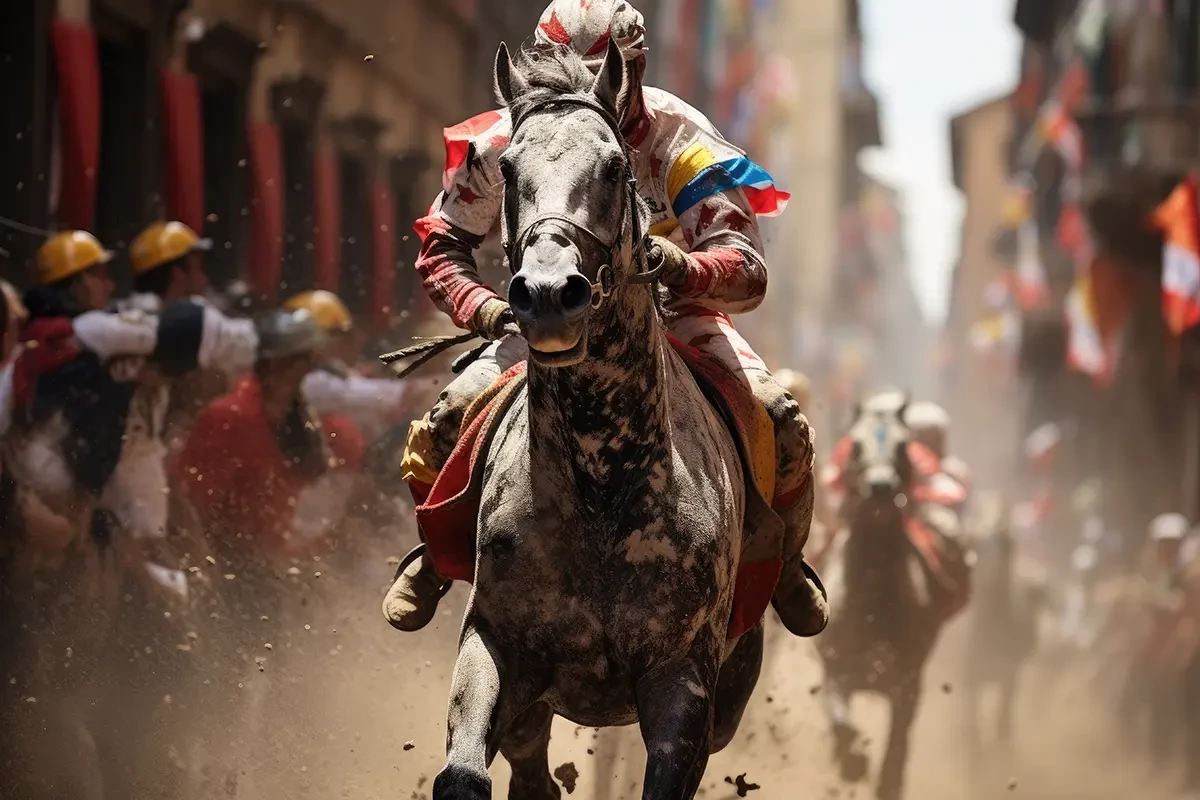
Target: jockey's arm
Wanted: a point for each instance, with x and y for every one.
(461, 217)
(727, 271)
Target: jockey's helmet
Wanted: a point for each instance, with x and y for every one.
(326, 308)
(930, 424)
(586, 26)
(67, 254)
(162, 243)
(1169, 527)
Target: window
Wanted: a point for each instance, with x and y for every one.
(226, 193)
(356, 234)
(127, 191)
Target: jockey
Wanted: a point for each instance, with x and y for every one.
(703, 196)
(334, 387)
(1168, 532)
(940, 497)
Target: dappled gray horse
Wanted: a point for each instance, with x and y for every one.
(613, 499)
(884, 620)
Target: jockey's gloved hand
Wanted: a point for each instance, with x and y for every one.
(675, 262)
(494, 320)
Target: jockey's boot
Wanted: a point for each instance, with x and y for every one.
(800, 599)
(411, 602)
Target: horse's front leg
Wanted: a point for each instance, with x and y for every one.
(847, 746)
(905, 697)
(675, 707)
(483, 703)
(526, 747)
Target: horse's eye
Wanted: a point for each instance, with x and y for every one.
(506, 170)
(614, 171)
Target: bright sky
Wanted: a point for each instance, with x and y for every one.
(928, 60)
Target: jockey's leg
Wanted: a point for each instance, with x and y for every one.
(955, 554)
(413, 599)
(799, 597)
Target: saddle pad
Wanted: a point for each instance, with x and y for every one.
(928, 544)
(448, 514)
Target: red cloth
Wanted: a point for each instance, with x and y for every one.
(184, 148)
(266, 232)
(327, 228)
(447, 513)
(77, 63)
(232, 471)
(50, 343)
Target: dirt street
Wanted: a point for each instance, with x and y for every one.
(362, 715)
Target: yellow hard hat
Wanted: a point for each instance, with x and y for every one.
(327, 309)
(69, 253)
(162, 243)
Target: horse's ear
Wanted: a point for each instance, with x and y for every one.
(611, 78)
(902, 411)
(509, 82)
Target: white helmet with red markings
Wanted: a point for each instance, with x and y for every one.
(587, 26)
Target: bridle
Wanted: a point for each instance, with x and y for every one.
(604, 281)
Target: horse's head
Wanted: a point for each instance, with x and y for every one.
(878, 469)
(573, 222)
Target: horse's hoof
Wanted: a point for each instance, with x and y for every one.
(457, 782)
(854, 767)
(542, 790)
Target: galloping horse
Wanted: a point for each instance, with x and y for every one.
(611, 516)
(887, 617)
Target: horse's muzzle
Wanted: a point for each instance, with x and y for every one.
(550, 298)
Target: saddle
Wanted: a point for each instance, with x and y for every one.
(447, 512)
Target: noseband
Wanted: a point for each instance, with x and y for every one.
(604, 281)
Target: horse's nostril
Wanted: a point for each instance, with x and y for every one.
(576, 294)
(519, 296)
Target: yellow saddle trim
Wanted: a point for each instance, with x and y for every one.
(415, 465)
(761, 432)
(418, 463)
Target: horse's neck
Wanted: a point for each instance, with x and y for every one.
(876, 545)
(607, 415)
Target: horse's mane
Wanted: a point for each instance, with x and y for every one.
(550, 70)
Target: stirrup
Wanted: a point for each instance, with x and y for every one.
(407, 561)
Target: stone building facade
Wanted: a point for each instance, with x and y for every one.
(303, 136)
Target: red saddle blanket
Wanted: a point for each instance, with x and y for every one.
(448, 513)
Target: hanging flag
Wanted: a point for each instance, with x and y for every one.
(1032, 290)
(1018, 202)
(1059, 129)
(1177, 219)
(1085, 347)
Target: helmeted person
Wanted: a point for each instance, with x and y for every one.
(1168, 534)
(944, 496)
(167, 263)
(703, 196)
(334, 387)
(260, 468)
(76, 371)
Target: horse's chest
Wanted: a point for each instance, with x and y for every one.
(585, 581)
